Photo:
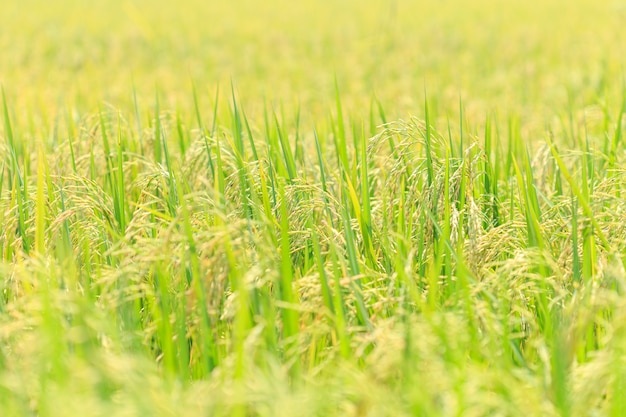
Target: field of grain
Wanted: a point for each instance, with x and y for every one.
(312, 208)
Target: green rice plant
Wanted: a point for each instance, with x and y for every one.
(326, 240)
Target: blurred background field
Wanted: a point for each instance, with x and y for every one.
(529, 58)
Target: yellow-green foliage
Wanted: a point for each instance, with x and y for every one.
(312, 208)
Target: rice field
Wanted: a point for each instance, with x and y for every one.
(314, 208)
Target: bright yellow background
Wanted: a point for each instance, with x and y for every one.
(516, 57)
